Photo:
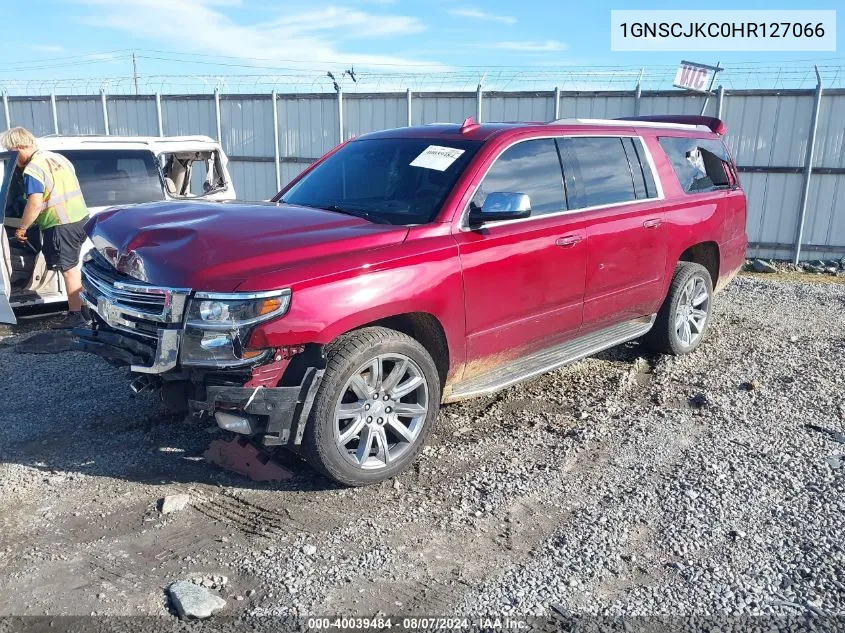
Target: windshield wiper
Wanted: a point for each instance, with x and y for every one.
(358, 213)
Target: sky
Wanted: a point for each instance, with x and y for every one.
(301, 41)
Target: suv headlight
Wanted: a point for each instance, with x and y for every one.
(218, 324)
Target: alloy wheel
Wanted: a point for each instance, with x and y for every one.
(692, 312)
(381, 411)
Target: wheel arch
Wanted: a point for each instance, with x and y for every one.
(707, 254)
(423, 327)
(426, 329)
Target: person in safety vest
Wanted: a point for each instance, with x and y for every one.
(55, 204)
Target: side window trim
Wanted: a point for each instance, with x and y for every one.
(659, 194)
(648, 180)
(630, 170)
(563, 177)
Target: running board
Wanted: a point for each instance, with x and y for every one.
(550, 359)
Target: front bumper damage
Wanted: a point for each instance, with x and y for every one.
(276, 415)
(247, 402)
(142, 326)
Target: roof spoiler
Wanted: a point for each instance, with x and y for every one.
(717, 126)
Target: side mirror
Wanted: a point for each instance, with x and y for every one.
(501, 205)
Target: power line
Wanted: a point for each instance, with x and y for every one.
(96, 57)
(82, 62)
(72, 60)
(425, 64)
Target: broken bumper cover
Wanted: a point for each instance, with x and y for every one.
(277, 415)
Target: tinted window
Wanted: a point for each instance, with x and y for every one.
(529, 167)
(699, 164)
(111, 177)
(597, 171)
(395, 180)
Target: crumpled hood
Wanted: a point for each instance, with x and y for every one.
(219, 245)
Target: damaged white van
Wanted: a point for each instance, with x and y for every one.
(112, 170)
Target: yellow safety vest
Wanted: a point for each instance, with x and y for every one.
(63, 201)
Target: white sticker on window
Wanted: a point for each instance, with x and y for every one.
(437, 157)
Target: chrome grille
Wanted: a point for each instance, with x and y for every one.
(148, 311)
(135, 299)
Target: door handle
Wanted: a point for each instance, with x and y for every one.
(568, 241)
(652, 223)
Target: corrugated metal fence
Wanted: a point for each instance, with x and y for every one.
(769, 134)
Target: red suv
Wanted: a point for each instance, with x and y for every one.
(413, 267)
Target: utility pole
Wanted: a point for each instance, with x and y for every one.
(135, 72)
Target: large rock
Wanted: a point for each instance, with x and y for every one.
(193, 601)
(173, 503)
(760, 266)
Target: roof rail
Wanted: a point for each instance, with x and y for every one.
(631, 123)
(717, 126)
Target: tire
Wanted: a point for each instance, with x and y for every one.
(664, 336)
(351, 379)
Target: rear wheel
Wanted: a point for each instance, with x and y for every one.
(684, 317)
(375, 408)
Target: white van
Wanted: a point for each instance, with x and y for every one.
(112, 171)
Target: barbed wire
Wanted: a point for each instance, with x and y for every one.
(745, 75)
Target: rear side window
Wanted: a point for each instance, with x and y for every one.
(530, 167)
(700, 164)
(598, 171)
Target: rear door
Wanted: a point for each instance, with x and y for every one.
(611, 180)
(7, 168)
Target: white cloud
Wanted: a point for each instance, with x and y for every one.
(549, 46)
(478, 14)
(47, 48)
(310, 36)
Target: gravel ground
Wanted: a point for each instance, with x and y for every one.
(626, 484)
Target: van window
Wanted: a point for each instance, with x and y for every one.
(115, 176)
(597, 171)
(530, 167)
(700, 164)
(192, 174)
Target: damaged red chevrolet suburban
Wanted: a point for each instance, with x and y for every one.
(413, 267)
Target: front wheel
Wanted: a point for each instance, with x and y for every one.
(684, 317)
(376, 405)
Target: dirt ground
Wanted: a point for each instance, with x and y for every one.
(627, 483)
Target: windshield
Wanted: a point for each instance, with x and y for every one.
(116, 176)
(392, 180)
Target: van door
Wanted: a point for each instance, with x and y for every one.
(523, 279)
(7, 168)
(609, 178)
